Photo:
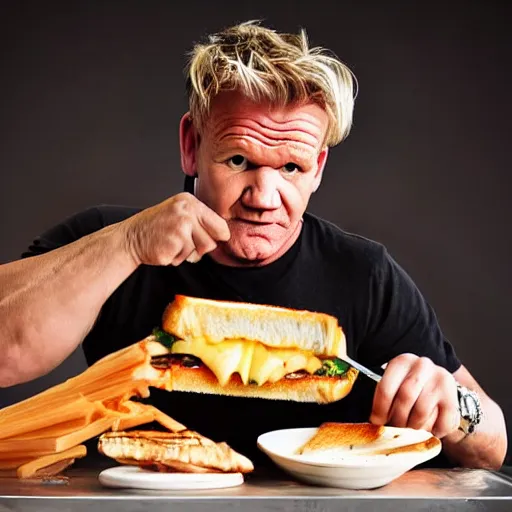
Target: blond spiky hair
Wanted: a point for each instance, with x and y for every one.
(266, 65)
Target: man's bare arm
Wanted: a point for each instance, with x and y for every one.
(49, 303)
(487, 446)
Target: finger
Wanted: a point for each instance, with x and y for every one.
(410, 391)
(193, 257)
(425, 410)
(447, 421)
(429, 424)
(186, 251)
(449, 414)
(388, 387)
(214, 224)
(166, 254)
(203, 242)
(177, 244)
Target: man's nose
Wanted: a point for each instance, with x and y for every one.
(263, 190)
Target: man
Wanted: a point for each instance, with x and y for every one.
(264, 109)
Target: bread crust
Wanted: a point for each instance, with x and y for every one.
(311, 388)
(191, 317)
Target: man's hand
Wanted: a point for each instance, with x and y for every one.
(178, 229)
(416, 393)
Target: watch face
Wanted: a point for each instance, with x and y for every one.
(464, 405)
(469, 410)
(471, 406)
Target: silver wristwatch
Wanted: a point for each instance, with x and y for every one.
(470, 409)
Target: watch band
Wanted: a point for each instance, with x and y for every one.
(470, 409)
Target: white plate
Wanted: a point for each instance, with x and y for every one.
(349, 469)
(134, 477)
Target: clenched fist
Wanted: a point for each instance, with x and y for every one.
(416, 393)
(178, 229)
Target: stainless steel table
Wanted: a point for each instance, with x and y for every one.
(417, 490)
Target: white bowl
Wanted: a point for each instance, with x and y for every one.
(362, 468)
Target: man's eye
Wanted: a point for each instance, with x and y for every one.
(238, 163)
(291, 168)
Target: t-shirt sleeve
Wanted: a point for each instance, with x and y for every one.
(71, 229)
(400, 320)
(77, 226)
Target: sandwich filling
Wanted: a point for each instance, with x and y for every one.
(254, 362)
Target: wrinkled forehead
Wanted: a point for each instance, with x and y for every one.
(304, 123)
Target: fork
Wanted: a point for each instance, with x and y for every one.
(366, 371)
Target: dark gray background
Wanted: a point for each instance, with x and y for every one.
(92, 92)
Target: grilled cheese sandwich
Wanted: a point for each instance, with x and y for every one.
(241, 349)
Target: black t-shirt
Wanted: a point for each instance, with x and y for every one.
(327, 270)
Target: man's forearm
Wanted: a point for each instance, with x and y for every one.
(49, 303)
(486, 447)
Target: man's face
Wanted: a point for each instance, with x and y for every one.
(257, 167)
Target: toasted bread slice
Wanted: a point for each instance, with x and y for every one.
(190, 317)
(184, 451)
(366, 439)
(339, 435)
(309, 388)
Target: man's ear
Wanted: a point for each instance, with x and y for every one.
(321, 161)
(189, 141)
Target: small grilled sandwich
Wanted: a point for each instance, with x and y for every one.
(185, 452)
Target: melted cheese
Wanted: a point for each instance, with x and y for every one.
(253, 361)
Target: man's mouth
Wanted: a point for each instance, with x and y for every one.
(254, 222)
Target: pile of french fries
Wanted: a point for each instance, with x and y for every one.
(43, 435)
